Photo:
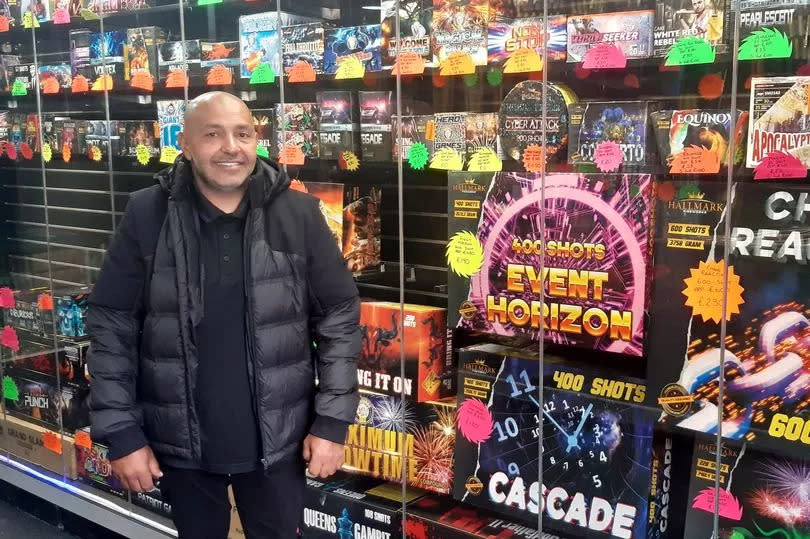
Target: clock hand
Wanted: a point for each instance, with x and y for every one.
(548, 415)
(573, 439)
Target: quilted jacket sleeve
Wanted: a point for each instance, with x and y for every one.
(115, 320)
(335, 319)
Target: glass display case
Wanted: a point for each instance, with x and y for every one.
(578, 229)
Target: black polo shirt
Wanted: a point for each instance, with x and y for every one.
(223, 395)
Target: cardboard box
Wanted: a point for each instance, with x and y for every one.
(375, 126)
(362, 227)
(330, 196)
(80, 53)
(338, 123)
(40, 446)
(26, 317)
(217, 56)
(183, 56)
(142, 50)
(132, 133)
(38, 356)
(302, 43)
(107, 55)
(39, 399)
(428, 367)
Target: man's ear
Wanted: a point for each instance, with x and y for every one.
(181, 141)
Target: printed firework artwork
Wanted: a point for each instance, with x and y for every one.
(416, 19)
(389, 429)
(460, 26)
(631, 31)
(622, 122)
(596, 257)
(362, 42)
(779, 118)
(508, 35)
(677, 19)
(676, 130)
(361, 227)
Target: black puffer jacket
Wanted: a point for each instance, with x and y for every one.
(148, 300)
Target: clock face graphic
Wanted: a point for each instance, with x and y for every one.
(589, 445)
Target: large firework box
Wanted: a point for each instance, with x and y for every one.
(597, 257)
(142, 50)
(777, 120)
(460, 28)
(671, 462)
(37, 355)
(761, 494)
(713, 129)
(108, 55)
(27, 317)
(34, 443)
(340, 130)
(362, 227)
(260, 39)
(388, 429)
(497, 441)
(40, 399)
(182, 56)
(677, 19)
(623, 122)
(428, 365)
(789, 17)
(133, 133)
(302, 43)
(222, 55)
(346, 506)
(765, 349)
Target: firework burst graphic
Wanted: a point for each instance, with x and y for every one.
(394, 414)
(768, 503)
(433, 455)
(445, 420)
(790, 480)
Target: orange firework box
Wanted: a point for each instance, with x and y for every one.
(424, 336)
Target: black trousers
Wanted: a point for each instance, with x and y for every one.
(270, 504)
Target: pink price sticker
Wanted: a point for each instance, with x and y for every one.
(608, 156)
(729, 506)
(605, 56)
(61, 16)
(778, 166)
(474, 421)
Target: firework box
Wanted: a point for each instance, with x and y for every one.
(61, 73)
(5, 125)
(460, 27)
(37, 356)
(338, 123)
(71, 306)
(496, 458)
(389, 429)
(710, 129)
(622, 122)
(28, 441)
(70, 133)
(183, 56)
(362, 42)
(330, 197)
(761, 495)
(31, 131)
(671, 462)
(677, 19)
(451, 132)
(100, 7)
(264, 123)
(80, 53)
(260, 40)
(362, 227)
(16, 129)
(73, 7)
(41, 9)
(7, 65)
(132, 133)
(415, 22)
(302, 42)
(297, 117)
(142, 50)
(508, 35)
(428, 365)
(631, 31)
(49, 130)
(103, 135)
(344, 506)
(767, 297)
(26, 317)
(223, 53)
(597, 253)
(42, 400)
(375, 125)
(171, 113)
(521, 118)
(308, 141)
(93, 467)
(481, 132)
(414, 129)
(787, 16)
(107, 55)
(778, 119)
(26, 73)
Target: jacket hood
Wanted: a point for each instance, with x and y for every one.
(265, 183)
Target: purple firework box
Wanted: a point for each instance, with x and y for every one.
(596, 267)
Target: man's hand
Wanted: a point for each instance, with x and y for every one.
(324, 457)
(137, 470)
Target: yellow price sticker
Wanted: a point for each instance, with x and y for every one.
(465, 254)
(485, 160)
(350, 67)
(169, 154)
(446, 159)
(47, 152)
(142, 153)
(458, 63)
(704, 291)
(29, 21)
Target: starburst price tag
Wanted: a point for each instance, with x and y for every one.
(177, 79)
(605, 56)
(418, 156)
(350, 67)
(261, 151)
(79, 84)
(26, 151)
(494, 76)
(474, 421)
(291, 155)
(704, 289)
(523, 60)
(779, 165)
(301, 71)
(10, 390)
(66, 153)
(142, 154)
(349, 161)
(61, 16)
(88, 14)
(82, 439)
(11, 151)
(219, 76)
(608, 156)
(50, 86)
(18, 88)
(29, 21)
(690, 50)
(7, 300)
(485, 160)
(143, 81)
(263, 74)
(94, 152)
(465, 254)
(168, 154)
(9, 339)
(4, 24)
(534, 158)
(695, 160)
(45, 302)
(765, 43)
(47, 153)
(446, 159)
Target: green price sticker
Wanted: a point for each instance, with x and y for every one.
(418, 156)
(690, 51)
(765, 43)
(19, 88)
(470, 79)
(10, 390)
(263, 74)
(208, 2)
(261, 151)
(494, 76)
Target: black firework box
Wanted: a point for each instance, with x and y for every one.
(677, 19)
(779, 118)
(103, 135)
(509, 35)
(37, 356)
(631, 31)
(594, 435)
(80, 53)
(521, 119)
(350, 506)
(671, 462)
(308, 141)
(108, 55)
(180, 56)
(714, 130)
(15, 130)
(460, 27)
(391, 435)
(297, 117)
(133, 133)
(70, 134)
(70, 309)
(597, 257)
(451, 132)
(415, 23)
(153, 501)
(331, 199)
(264, 123)
(424, 341)
(622, 122)
(40, 399)
(761, 495)
(32, 313)
(31, 132)
(788, 17)
(362, 42)
(61, 73)
(338, 123)
(142, 50)
(27, 74)
(302, 43)
(481, 132)
(49, 130)
(414, 129)
(764, 360)
(375, 125)
(219, 61)
(362, 227)
(7, 64)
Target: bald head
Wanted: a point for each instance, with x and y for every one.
(201, 105)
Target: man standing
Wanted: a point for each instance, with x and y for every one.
(223, 296)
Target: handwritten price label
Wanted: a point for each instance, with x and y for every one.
(350, 67)
(534, 158)
(82, 439)
(4, 24)
(485, 160)
(409, 63)
(143, 81)
(458, 63)
(169, 154)
(695, 160)
(301, 72)
(523, 60)
(779, 165)
(704, 291)
(79, 84)
(446, 159)
(219, 76)
(47, 153)
(177, 79)
(103, 82)
(605, 56)
(61, 16)
(291, 155)
(608, 156)
(50, 85)
(142, 154)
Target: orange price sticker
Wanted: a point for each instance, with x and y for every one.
(4, 23)
(79, 84)
(695, 160)
(82, 439)
(103, 82)
(430, 130)
(143, 81)
(50, 86)
(177, 79)
(534, 158)
(45, 302)
(52, 442)
(66, 153)
(219, 76)
(704, 290)
(302, 71)
(291, 155)
(458, 63)
(409, 63)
